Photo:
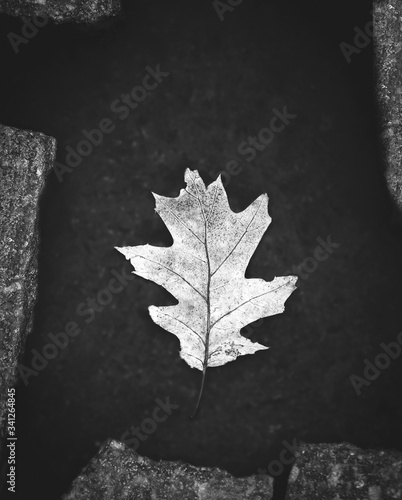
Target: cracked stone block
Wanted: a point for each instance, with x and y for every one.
(25, 159)
(61, 11)
(388, 59)
(118, 472)
(345, 472)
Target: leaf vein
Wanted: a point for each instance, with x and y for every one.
(246, 302)
(181, 222)
(174, 272)
(185, 324)
(236, 245)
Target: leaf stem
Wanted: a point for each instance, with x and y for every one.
(204, 371)
(208, 301)
(205, 363)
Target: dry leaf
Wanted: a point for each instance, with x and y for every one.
(204, 269)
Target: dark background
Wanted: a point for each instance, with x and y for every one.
(323, 175)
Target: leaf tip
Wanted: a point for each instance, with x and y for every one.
(121, 250)
(293, 279)
(192, 177)
(152, 311)
(264, 198)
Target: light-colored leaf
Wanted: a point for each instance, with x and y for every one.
(204, 269)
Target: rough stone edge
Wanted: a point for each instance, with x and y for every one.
(330, 464)
(387, 38)
(13, 287)
(143, 477)
(60, 11)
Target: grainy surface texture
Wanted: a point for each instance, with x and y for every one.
(25, 158)
(118, 472)
(321, 174)
(388, 54)
(60, 11)
(345, 472)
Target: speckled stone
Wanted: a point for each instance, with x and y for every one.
(345, 472)
(61, 11)
(119, 473)
(25, 159)
(388, 58)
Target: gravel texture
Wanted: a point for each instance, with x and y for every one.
(343, 471)
(25, 159)
(388, 56)
(118, 473)
(79, 11)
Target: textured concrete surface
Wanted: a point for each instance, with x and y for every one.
(345, 472)
(118, 472)
(80, 11)
(322, 176)
(25, 159)
(388, 57)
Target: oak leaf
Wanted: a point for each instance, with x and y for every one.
(204, 269)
